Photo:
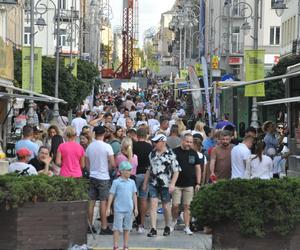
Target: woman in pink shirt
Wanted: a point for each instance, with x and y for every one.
(70, 155)
(126, 154)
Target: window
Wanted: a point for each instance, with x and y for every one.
(27, 39)
(235, 39)
(63, 38)
(63, 4)
(274, 35)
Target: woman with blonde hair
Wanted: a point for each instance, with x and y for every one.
(181, 126)
(199, 129)
(70, 155)
(126, 154)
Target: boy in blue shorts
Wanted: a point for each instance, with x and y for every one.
(123, 193)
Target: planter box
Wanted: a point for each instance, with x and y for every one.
(43, 225)
(228, 237)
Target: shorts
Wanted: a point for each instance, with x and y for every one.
(139, 179)
(122, 221)
(163, 192)
(186, 193)
(99, 189)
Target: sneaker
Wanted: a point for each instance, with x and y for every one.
(188, 231)
(141, 230)
(106, 231)
(173, 224)
(152, 233)
(167, 231)
(91, 230)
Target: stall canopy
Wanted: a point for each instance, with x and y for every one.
(280, 101)
(32, 95)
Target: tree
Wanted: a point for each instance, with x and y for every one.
(73, 90)
(275, 89)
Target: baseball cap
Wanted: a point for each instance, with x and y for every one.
(111, 127)
(159, 137)
(125, 165)
(99, 130)
(22, 152)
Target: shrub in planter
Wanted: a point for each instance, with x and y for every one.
(40, 212)
(255, 206)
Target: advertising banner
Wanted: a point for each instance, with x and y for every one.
(184, 74)
(255, 69)
(205, 80)
(6, 61)
(67, 63)
(196, 94)
(37, 86)
(198, 69)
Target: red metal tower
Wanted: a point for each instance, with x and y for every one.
(128, 39)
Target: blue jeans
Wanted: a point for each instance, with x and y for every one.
(162, 192)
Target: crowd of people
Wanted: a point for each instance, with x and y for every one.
(139, 148)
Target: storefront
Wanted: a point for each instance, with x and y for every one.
(8, 95)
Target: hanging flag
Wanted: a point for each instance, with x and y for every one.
(205, 80)
(198, 69)
(37, 86)
(6, 61)
(255, 69)
(67, 63)
(184, 74)
(196, 94)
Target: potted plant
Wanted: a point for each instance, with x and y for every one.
(40, 212)
(251, 214)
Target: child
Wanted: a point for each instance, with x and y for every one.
(123, 192)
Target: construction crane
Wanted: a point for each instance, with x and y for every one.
(129, 41)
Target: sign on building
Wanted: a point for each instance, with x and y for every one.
(8, 1)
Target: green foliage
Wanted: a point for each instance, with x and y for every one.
(73, 90)
(14, 191)
(256, 206)
(150, 58)
(275, 89)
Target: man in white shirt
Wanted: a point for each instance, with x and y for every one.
(239, 156)
(78, 123)
(99, 159)
(21, 166)
(122, 119)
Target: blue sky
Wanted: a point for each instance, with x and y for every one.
(149, 13)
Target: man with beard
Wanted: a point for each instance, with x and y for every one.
(220, 159)
(189, 177)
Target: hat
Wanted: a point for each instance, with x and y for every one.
(271, 152)
(159, 137)
(37, 129)
(99, 130)
(198, 136)
(110, 127)
(22, 152)
(125, 165)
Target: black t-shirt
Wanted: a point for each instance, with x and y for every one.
(142, 149)
(37, 164)
(187, 160)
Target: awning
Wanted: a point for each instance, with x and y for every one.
(280, 101)
(32, 95)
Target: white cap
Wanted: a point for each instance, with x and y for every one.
(159, 137)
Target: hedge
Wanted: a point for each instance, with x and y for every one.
(256, 206)
(14, 190)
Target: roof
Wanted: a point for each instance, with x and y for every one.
(32, 95)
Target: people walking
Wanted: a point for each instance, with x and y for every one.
(188, 179)
(162, 175)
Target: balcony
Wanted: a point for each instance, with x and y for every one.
(236, 48)
(66, 15)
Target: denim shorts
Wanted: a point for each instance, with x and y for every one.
(160, 192)
(99, 189)
(139, 179)
(122, 221)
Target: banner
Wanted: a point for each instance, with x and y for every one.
(198, 69)
(6, 61)
(67, 62)
(205, 80)
(196, 94)
(184, 74)
(255, 69)
(37, 86)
